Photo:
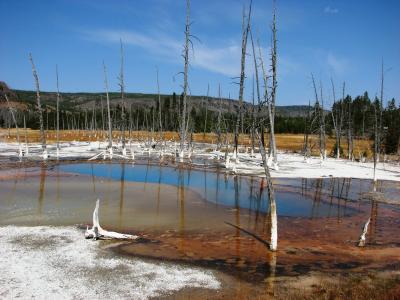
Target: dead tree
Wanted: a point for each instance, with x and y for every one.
(376, 140)
(219, 141)
(271, 195)
(336, 119)
(183, 129)
(323, 128)
(239, 120)
(258, 90)
(206, 108)
(307, 127)
(320, 116)
(58, 114)
(16, 125)
(253, 122)
(108, 110)
(159, 109)
(26, 138)
(39, 108)
(122, 89)
(271, 105)
(349, 132)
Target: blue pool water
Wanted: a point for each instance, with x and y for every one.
(223, 189)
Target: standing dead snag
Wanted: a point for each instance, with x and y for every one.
(183, 128)
(16, 125)
(108, 111)
(122, 88)
(39, 108)
(271, 195)
(219, 141)
(271, 106)
(239, 120)
(206, 108)
(337, 120)
(159, 109)
(58, 114)
(321, 120)
(96, 232)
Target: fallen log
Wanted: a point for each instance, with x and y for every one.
(96, 232)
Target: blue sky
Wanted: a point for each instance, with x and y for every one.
(345, 40)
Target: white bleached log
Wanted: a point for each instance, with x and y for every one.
(361, 241)
(96, 232)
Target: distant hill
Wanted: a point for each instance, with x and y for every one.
(82, 101)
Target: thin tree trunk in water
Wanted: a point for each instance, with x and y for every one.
(39, 107)
(271, 195)
(108, 109)
(183, 128)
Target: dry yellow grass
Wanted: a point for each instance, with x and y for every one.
(289, 142)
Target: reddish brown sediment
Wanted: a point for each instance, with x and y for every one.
(322, 244)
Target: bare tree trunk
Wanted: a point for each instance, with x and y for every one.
(58, 113)
(183, 128)
(206, 106)
(159, 109)
(271, 195)
(245, 31)
(122, 88)
(16, 125)
(273, 89)
(108, 110)
(307, 132)
(323, 130)
(26, 138)
(253, 123)
(39, 108)
(335, 121)
(376, 137)
(349, 134)
(380, 129)
(320, 117)
(219, 141)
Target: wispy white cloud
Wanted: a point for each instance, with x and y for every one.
(330, 10)
(223, 60)
(338, 65)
